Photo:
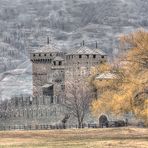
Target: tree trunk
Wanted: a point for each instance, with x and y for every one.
(80, 122)
(80, 125)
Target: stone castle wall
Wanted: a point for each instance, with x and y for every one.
(31, 110)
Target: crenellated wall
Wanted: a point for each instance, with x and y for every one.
(26, 110)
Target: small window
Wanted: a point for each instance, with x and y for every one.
(60, 63)
(54, 63)
(30, 102)
(45, 55)
(34, 55)
(102, 57)
(63, 87)
(51, 101)
(51, 54)
(94, 56)
(39, 55)
(80, 56)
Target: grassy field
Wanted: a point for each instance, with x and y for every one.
(74, 138)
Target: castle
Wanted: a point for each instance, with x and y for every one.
(51, 68)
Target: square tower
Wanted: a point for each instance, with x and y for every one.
(48, 72)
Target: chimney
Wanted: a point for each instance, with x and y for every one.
(83, 43)
(96, 45)
(47, 40)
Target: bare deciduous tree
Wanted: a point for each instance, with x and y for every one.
(78, 99)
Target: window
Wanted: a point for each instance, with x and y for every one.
(54, 63)
(30, 102)
(51, 101)
(102, 57)
(60, 63)
(94, 56)
(34, 55)
(87, 56)
(39, 55)
(80, 56)
(63, 87)
(45, 55)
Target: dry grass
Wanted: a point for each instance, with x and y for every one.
(73, 138)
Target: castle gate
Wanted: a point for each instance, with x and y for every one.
(103, 121)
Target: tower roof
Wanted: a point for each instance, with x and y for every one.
(86, 51)
(49, 48)
(58, 59)
(106, 75)
(99, 51)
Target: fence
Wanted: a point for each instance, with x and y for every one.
(46, 127)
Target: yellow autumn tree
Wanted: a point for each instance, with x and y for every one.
(129, 91)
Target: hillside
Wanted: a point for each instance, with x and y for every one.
(25, 25)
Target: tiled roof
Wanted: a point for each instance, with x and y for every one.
(86, 50)
(47, 85)
(106, 75)
(58, 59)
(48, 48)
(99, 51)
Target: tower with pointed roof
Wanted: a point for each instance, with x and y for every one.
(48, 72)
(80, 61)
